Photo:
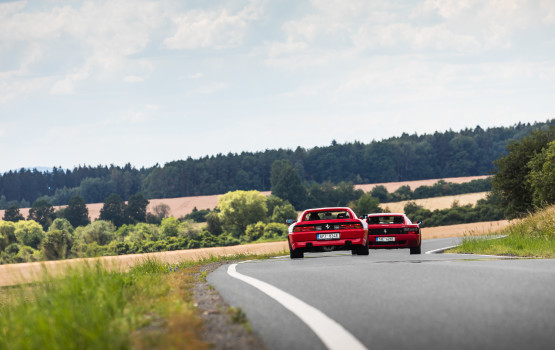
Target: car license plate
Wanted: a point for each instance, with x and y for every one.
(324, 236)
(385, 239)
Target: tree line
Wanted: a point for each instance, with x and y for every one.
(407, 157)
(123, 228)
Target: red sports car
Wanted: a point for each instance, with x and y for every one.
(393, 230)
(328, 229)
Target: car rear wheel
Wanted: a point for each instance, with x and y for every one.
(295, 253)
(363, 250)
(416, 250)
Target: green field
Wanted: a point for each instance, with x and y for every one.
(533, 236)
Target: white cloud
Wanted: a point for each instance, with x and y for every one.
(211, 88)
(195, 76)
(66, 85)
(96, 38)
(215, 29)
(133, 79)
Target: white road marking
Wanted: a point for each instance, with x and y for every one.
(440, 249)
(332, 334)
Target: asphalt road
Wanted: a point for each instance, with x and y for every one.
(394, 300)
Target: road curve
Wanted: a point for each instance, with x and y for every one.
(392, 300)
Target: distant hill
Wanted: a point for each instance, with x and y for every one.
(467, 152)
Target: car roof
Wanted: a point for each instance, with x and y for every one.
(387, 214)
(328, 208)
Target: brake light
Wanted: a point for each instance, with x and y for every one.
(410, 230)
(352, 226)
(303, 228)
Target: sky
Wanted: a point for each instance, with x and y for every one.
(147, 82)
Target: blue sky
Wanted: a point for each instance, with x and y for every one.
(146, 82)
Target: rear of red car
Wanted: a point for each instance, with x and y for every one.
(328, 229)
(393, 231)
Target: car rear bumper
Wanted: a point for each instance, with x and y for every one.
(307, 241)
(401, 241)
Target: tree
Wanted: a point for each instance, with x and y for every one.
(381, 193)
(135, 211)
(161, 210)
(510, 179)
(95, 190)
(42, 212)
(283, 212)
(29, 233)
(213, 223)
(77, 212)
(99, 231)
(57, 244)
(7, 234)
(12, 214)
(366, 204)
(287, 184)
(197, 215)
(113, 210)
(238, 209)
(542, 176)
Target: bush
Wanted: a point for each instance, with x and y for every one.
(57, 244)
(7, 234)
(29, 233)
(100, 232)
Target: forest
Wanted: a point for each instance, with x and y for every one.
(407, 157)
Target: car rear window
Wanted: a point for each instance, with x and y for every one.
(376, 220)
(326, 215)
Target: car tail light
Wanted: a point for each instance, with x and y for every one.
(303, 228)
(352, 226)
(410, 230)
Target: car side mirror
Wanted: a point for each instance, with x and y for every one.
(289, 221)
(419, 222)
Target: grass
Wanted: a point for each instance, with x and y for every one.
(91, 307)
(533, 236)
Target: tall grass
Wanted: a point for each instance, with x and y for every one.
(94, 308)
(533, 236)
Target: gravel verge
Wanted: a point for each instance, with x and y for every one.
(219, 328)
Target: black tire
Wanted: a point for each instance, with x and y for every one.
(354, 251)
(295, 253)
(363, 250)
(416, 250)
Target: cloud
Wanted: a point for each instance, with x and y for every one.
(133, 79)
(214, 29)
(77, 42)
(66, 85)
(211, 88)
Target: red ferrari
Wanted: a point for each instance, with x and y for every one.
(326, 229)
(392, 231)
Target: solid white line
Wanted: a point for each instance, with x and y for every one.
(440, 249)
(331, 333)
